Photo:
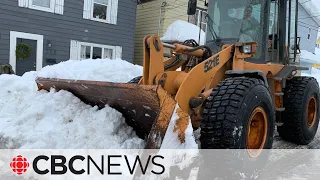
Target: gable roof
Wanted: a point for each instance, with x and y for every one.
(312, 9)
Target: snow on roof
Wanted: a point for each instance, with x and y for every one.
(312, 8)
(181, 31)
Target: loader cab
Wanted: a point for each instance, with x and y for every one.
(231, 21)
(283, 40)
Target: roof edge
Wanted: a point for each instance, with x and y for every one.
(311, 9)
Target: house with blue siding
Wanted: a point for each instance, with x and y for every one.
(36, 33)
(308, 26)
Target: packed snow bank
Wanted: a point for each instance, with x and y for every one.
(99, 70)
(39, 119)
(61, 121)
(181, 31)
(31, 119)
(171, 139)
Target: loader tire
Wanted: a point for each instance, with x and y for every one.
(135, 80)
(235, 107)
(228, 110)
(301, 115)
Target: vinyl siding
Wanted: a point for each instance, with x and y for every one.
(60, 29)
(303, 28)
(148, 20)
(175, 9)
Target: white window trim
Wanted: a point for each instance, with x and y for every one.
(51, 9)
(56, 6)
(96, 45)
(108, 10)
(199, 21)
(13, 43)
(112, 11)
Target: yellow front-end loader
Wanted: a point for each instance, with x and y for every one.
(237, 88)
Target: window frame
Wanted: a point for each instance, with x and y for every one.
(102, 46)
(200, 18)
(51, 9)
(107, 13)
(197, 20)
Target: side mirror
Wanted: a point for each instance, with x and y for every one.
(192, 7)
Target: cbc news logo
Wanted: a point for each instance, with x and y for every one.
(19, 165)
(59, 164)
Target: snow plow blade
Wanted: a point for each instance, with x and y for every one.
(146, 108)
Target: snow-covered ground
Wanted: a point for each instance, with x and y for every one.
(40, 119)
(32, 119)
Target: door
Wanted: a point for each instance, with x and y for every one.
(35, 60)
(29, 63)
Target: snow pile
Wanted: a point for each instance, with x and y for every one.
(32, 119)
(40, 119)
(99, 70)
(61, 121)
(171, 140)
(181, 31)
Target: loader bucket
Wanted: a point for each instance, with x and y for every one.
(146, 108)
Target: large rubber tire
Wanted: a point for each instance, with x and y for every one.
(225, 125)
(229, 107)
(135, 80)
(297, 94)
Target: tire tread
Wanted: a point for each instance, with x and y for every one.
(220, 112)
(293, 103)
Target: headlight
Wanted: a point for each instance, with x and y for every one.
(246, 49)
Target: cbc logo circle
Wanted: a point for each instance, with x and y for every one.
(19, 164)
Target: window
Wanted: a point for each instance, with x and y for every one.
(84, 50)
(101, 10)
(44, 5)
(53, 6)
(199, 19)
(309, 33)
(96, 51)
